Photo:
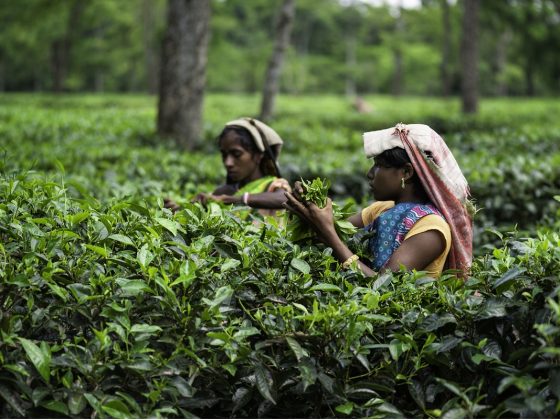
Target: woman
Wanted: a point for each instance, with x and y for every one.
(420, 219)
(250, 151)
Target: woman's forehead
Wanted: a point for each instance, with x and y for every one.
(231, 140)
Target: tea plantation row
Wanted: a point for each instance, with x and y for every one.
(123, 310)
(114, 307)
(106, 145)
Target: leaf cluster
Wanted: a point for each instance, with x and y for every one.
(124, 310)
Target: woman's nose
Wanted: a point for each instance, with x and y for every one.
(228, 161)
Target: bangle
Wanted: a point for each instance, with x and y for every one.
(245, 198)
(352, 258)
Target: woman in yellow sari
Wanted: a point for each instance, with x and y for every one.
(250, 151)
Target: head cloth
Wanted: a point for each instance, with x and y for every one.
(262, 134)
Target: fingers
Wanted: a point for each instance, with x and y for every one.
(294, 204)
(298, 191)
(171, 205)
(291, 209)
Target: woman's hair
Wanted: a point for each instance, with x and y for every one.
(397, 158)
(267, 164)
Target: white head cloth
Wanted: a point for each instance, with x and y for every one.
(432, 146)
(253, 126)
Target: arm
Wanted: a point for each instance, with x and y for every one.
(265, 200)
(357, 220)
(418, 251)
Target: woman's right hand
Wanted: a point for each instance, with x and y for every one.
(320, 219)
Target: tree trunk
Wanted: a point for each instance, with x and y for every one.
(469, 57)
(446, 49)
(398, 76)
(2, 79)
(148, 39)
(99, 81)
(183, 71)
(529, 77)
(272, 78)
(501, 61)
(350, 65)
(61, 48)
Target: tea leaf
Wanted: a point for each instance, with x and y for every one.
(222, 294)
(132, 287)
(346, 408)
(299, 351)
(56, 406)
(12, 400)
(144, 256)
(300, 265)
(171, 225)
(121, 238)
(117, 409)
(40, 358)
(509, 276)
(264, 382)
(326, 287)
(98, 250)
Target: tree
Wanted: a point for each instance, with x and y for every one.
(61, 47)
(469, 57)
(148, 19)
(183, 71)
(398, 76)
(446, 49)
(282, 39)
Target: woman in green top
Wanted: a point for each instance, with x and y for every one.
(250, 151)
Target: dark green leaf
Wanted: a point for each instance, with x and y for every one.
(41, 359)
(264, 382)
(509, 276)
(11, 399)
(417, 393)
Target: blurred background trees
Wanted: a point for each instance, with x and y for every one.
(351, 47)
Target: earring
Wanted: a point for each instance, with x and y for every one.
(402, 183)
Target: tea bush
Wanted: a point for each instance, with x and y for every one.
(124, 310)
(114, 307)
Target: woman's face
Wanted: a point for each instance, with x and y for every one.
(385, 182)
(241, 164)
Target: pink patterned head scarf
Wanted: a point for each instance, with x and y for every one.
(441, 177)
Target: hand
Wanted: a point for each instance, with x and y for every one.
(168, 203)
(201, 198)
(297, 192)
(321, 220)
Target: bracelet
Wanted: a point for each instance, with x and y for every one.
(245, 198)
(352, 258)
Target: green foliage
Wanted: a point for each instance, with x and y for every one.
(121, 310)
(108, 45)
(114, 307)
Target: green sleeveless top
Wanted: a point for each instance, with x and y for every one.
(255, 187)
